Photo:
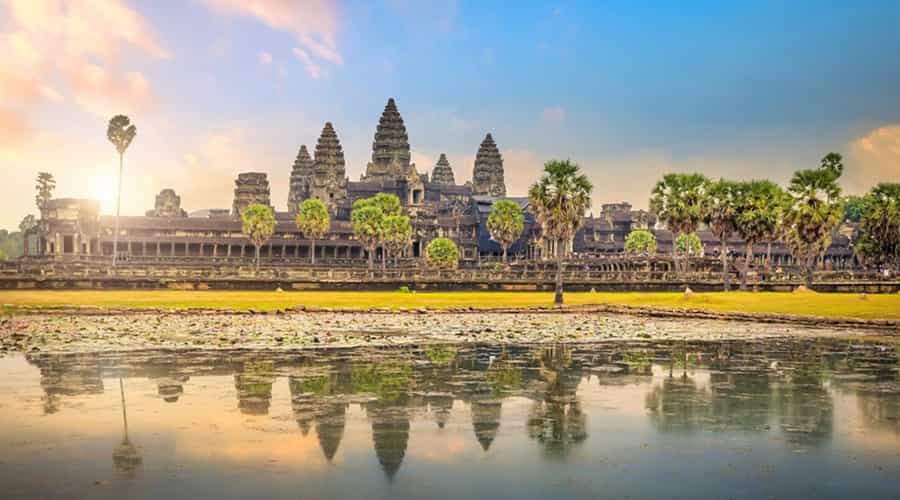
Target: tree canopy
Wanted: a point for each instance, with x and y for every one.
(397, 234)
(879, 241)
(44, 186)
(640, 241)
(258, 224)
(442, 253)
(679, 201)
(506, 223)
(313, 222)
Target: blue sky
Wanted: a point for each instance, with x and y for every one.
(630, 90)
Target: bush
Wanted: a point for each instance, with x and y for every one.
(442, 253)
(640, 241)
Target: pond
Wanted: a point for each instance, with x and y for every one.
(729, 419)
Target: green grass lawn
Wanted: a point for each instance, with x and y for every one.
(805, 304)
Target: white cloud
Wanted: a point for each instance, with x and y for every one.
(313, 69)
(264, 58)
(313, 23)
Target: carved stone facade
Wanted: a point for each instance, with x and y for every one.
(250, 188)
(443, 173)
(168, 204)
(487, 176)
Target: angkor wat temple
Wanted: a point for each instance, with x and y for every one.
(73, 229)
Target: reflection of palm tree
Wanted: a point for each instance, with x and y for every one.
(806, 409)
(126, 456)
(740, 400)
(557, 420)
(678, 404)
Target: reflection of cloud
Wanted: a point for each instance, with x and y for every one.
(312, 22)
(873, 158)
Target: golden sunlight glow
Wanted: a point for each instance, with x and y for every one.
(103, 189)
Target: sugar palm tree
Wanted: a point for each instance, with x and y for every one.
(120, 133)
(258, 224)
(813, 211)
(506, 223)
(757, 217)
(559, 200)
(721, 214)
(679, 201)
(313, 221)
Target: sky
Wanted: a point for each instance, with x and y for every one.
(629, 90)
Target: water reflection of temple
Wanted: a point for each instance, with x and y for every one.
(685, 388)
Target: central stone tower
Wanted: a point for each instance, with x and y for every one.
(487, 176)
(390, 151)
(442, 173)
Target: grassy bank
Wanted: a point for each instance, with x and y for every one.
(804, 304)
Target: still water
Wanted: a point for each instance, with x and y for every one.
(739, 419)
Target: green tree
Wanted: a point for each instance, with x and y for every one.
(44, 186)
(723, 201)
(258, 226)
(388, 205)
(640, 241)
(679, 201)
(757, 218)
(559, 200)
(688, 243)
(27, 223)
(879, 241)
(366, 221)
(397, 235)
(313, 221)
(442, 253)
(120, 133)
(813, 211)
(506, 223)
(854, 208)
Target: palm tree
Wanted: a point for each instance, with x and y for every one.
(366, 221)
(679, 201)
(813, 211)
(506, 223)
(757, 218)
(721, 214)
(313, 221)
(120, 133)
(559, 200)
(44, 186)
(879, 239)
(258, 224)
(397, 235)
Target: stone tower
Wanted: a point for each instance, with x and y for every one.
(250, 188)
(487, 176)
(329, 181)
(301, 179)
(442, 173)
(168, 204)
(390, 151)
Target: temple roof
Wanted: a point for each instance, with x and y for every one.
(329, 153)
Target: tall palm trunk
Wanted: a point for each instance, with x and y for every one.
(312, 252)
(675, 259)
(769, 255)
(257, 256)
(748, 256)
(726, 276)
(810, 267)
(383, 259)
(504, 254)
(558, 299)
(118, 205)
(371, 256)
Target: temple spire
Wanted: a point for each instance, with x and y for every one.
(443, 173)
(390, 149)
(487, 175)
